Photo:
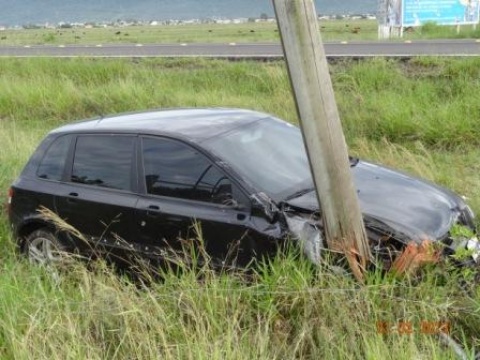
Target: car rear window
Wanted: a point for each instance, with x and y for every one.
(53, 162)
(104, 161)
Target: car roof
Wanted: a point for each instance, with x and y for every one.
(195, 124)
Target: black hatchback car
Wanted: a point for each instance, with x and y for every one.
(136, 183)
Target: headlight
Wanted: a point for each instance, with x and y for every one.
(466, 249)
(473, 245)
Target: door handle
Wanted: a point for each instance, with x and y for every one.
(153, 211)
(72, 198)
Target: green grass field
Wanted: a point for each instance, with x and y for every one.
(420, 116)
(331, 30)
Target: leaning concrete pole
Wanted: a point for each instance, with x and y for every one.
(322, 131)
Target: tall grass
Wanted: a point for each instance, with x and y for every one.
(420, 116)
(288, 311)
(432, 30)
(427, 100)
(64, 90)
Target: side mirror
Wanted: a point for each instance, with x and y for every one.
(262, 202)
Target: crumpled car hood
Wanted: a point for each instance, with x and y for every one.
(414, 207)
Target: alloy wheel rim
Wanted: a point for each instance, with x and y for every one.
(43, 251)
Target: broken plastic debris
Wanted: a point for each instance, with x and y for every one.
(414, 256)
(308, 235)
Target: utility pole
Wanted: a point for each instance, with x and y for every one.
(322, 131)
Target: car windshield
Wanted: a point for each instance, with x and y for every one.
(269, 154)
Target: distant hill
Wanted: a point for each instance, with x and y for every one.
(21, 12)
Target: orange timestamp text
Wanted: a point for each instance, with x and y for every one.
(408, 327)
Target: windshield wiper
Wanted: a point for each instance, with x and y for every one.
(300, 193)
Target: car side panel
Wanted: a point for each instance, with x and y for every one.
(96, 212)
(231, 237)
(29, 196)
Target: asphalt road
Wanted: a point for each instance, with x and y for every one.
(469, 47)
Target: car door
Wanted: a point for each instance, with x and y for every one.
(99, 197)
(186, 196)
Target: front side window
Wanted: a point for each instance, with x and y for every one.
(175, 169)
(104, 161)
(53, 163)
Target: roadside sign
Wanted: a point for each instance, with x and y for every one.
(442, 12)
(394, 15)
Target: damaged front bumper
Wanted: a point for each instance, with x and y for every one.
(307, 230)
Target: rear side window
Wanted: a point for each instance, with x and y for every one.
(53, 163)
(176, 170)
(104, 161)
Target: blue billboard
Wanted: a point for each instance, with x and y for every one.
(442, 12)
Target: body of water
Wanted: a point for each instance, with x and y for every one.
(21, 12)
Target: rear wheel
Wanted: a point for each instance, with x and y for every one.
(43, 247)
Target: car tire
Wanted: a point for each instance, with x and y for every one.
(43, 247)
